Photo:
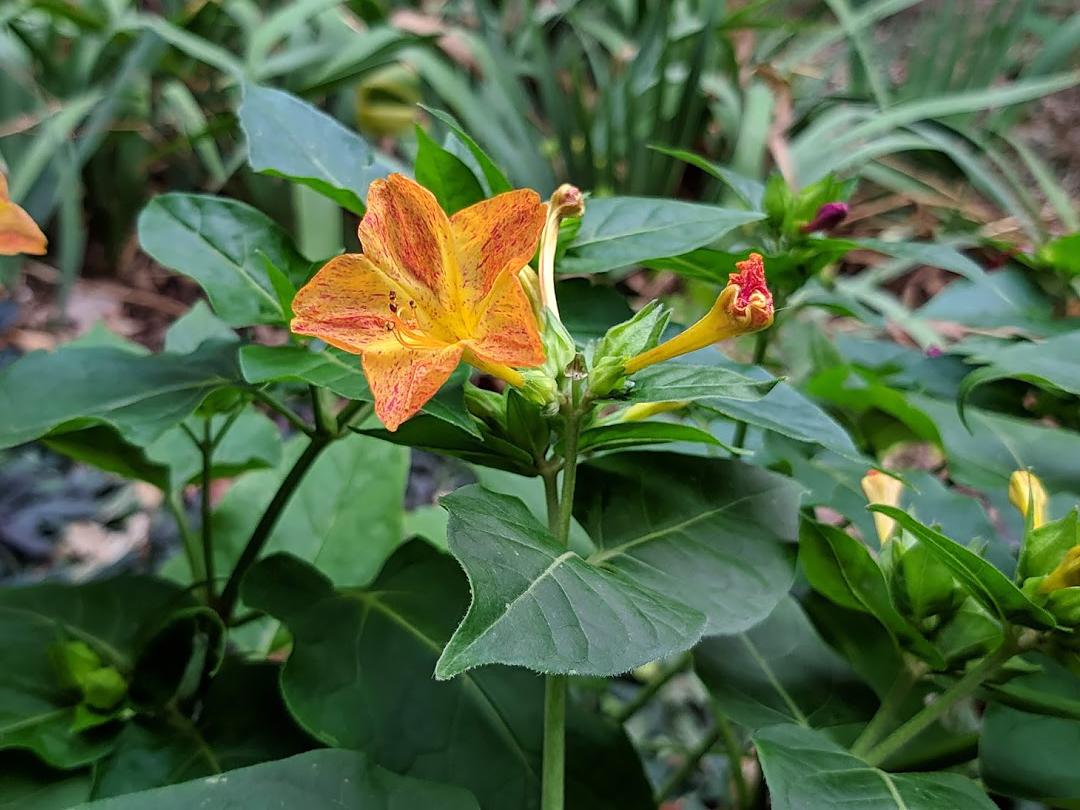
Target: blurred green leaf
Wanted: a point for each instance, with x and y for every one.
(618, 232)
(1030, 756)
(445, 175)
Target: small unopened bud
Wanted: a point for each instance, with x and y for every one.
(567, 201)
(538, 387)
(827, 217)
(1027, 494)
(883, 489)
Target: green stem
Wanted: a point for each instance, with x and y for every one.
(175, 507)
(231, 593)
(552, 791)
(646, 693)
(551, 496)
(945, 701)
(761, 345)
(560, 511)
(276, 404)
(318, 408)
(690, 764)
(206, 450)
(885, 716)
(743, 795)
(347, 414)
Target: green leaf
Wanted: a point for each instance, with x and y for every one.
(445, 175)
(141, 396)
(709, 532)
(681, 381)
(223, 245)
(546, 608)
(1052, 364)
(1054, 691)
(339, 779)
(290, 138)
(804, 769)
(342, 373)
(27, 784)
(981, 579)
(1010, 300)
(936, 255)
(841, 569)
(749, 190)
(780, 671)
(625, 435)
(37, 712)
(619, 232)
(1030, 756)
(242, 721)
(378, 647)
(344, 518)
(196, 326)
(496, 180)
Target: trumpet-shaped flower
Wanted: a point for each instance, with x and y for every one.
(427, 292)
(745, 305)
(883, 489)
(18, 232)
(1027, 494)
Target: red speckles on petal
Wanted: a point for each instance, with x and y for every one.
(403, 380)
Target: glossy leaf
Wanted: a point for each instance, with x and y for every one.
(445, 175)
(290, 138)
(681, 381)
(780, 671)
(625, 435)
(711, 533)
(141, 396)
(546, 608)
(436, 436)
(804, 768)
(1030, 756)
(841, 569)
(981, 579)
(359, 676)
(345, 516)
(619, 232)
(224, 245)
(339, 779)
(242, 722)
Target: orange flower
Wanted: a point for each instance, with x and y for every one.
(745, 305)
(18, 233)
(427, 292)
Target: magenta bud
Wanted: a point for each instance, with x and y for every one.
(934, 351)
(828, 217)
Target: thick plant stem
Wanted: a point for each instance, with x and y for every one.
(231, 593)
(206, 450)
(560, 512)
(885, 716)
(551, 496)
(761, 345)
(553, 777)
(946, 700)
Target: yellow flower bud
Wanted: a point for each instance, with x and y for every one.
(883, 489)
(566, 201)
(643, 410)
(1026, 493)
(745, 305)
(1066, 575)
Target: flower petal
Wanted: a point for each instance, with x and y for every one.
(403, 380)
(18, 231)
(347, 304)
(508, 333)
(408, 236)
(494, 237)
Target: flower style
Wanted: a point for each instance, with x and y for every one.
(1027, 494)
(745, 305)
(883, 489)
(18, 232)
(427, 292)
